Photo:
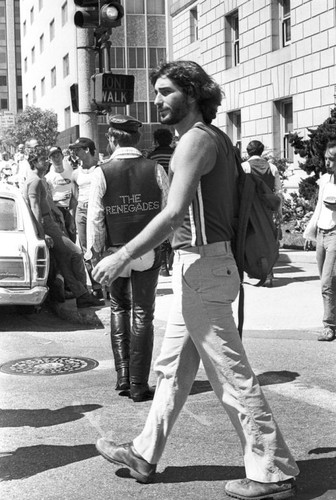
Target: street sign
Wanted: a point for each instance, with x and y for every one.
(109, 89)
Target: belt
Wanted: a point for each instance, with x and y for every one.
(326, 231)
(210, 250)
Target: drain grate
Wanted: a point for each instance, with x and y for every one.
(48, 365)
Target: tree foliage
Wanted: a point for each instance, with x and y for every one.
(312, 149)
(31, 123)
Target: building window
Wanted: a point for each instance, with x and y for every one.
(286, 22)
(19, 104)
(155, 7)
(24, 28)
(4, 103)
(52, 29)
(64, 13)
(67, 117)
(3, 80)
(33, 55)
(40, 4)
(66, 66)
(139, 111)
(53, 77)
(27, 99)
(232, 39)
(43, 86)
(234, 128)
(154, 114)
(34, 95)
(156, 56)
(25, 64)
(32, 15)
(117, 57)
(135, 6)
(41, 43)
(136, 57)
(283, 126)
(193, 25)
(287, 116)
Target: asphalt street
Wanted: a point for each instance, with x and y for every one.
(49, 424)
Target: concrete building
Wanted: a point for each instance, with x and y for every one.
(275, 60)
(10, 62)
(50, 55)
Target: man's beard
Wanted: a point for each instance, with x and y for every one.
(175, 115)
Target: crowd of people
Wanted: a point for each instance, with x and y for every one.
(121, 211)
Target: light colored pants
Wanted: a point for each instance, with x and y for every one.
(326, 263)
(201, 326)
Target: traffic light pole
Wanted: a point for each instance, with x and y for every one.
(88, 123)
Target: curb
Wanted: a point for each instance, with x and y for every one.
(97, 317)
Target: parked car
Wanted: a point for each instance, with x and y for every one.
(24, 256)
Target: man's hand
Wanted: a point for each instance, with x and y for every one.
(110, 268)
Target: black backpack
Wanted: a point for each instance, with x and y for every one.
(256, 245)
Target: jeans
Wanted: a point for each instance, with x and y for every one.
(326, 263)
(201, 327)
(68, 257)
(81, 222)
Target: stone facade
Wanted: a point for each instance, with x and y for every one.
(276, 87)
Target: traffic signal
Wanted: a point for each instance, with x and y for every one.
(98, 14)
(89, 17)
(110, 14)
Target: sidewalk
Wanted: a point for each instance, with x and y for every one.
(293, 303)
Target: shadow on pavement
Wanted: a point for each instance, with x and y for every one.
(164, 291)
(31, 460)
(44, 321)
(44, 417)
(280, 377)
(316, 477)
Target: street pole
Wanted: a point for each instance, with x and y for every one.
(88, 123)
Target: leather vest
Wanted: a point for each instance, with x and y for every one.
(132, 198)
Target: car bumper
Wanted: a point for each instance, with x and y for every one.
(23, 296)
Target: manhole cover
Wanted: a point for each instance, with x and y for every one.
(48, 365)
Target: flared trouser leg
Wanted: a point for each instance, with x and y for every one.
(201, 326)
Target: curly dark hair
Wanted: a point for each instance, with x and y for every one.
(194, 82)
(163, 136)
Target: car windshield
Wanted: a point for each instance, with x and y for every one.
(8, 214)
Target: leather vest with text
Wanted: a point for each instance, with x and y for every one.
(132, 198)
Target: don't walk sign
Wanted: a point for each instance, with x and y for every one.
(109, 89)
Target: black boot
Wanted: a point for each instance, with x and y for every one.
(121, 331)
(120, 341)
(140, 362)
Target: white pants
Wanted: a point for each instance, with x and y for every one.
(201, 326)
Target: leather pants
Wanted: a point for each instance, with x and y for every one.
(132, 347)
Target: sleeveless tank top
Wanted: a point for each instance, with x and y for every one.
(212, 215)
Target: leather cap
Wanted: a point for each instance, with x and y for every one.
(125, 123)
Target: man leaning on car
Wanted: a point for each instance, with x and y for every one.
(67, 255)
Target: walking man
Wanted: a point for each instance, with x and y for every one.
(201, 207)
(127, 192)
(322, 228)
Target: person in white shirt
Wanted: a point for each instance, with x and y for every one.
(322, 228)
(60, 182)
(84, 149)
